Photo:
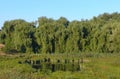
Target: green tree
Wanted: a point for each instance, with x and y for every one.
(19, 34)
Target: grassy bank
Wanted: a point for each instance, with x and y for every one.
(95, 66)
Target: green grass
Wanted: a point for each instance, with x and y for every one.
(95, 66)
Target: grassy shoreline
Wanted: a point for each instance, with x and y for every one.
(99, 66)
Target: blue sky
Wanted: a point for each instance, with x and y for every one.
(30, 10)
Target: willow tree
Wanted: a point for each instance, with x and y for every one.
(19, 35)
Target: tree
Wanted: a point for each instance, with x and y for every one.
(100, 34)
(19, 34)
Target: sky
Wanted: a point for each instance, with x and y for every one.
(31, 10)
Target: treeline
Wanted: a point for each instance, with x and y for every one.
(46, 35)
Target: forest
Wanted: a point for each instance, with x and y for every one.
(100, 34)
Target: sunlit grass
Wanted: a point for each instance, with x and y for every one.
(95, 67)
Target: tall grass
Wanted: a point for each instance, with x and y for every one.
(95, 66)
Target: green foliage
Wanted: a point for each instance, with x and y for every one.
(94, 66)
(18, 36)
(100, 34)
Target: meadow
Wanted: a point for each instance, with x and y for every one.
(94, 66)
